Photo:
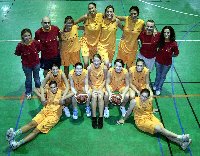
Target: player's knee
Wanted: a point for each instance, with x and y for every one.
(158, 128)
(36, 131)
(32, 124)
(106, 96)
(126, 96)
(94, 95)
(100, 96)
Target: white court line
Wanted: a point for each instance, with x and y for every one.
(116, 39)
(10, 40)
(180, 12)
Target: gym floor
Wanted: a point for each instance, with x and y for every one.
(178, 105)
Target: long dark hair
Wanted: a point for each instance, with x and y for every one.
(172, 38)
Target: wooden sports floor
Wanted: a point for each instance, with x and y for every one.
(179, 104)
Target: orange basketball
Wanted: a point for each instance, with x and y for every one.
(116, 99)
(82, 98)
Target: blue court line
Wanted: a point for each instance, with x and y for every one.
(175, 106)
(172, 84)
(17, 123)
(160, 144)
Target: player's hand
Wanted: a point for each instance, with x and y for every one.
(122, 97)
(95, 92)
(44, 102)
(62, 101)
(121, 121)
(110, 96)
(155, 110)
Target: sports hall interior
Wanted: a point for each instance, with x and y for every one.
(178, 104)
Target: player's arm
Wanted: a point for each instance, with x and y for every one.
(133, 87)
(108, 84)
(147, 84)
(119, 24)
(121, 18)
(66, 84)
(127, 85)
(105, 70)
(43, 99)
(128, 112)
(72, 84)
(81, 28)
(60, 40)
(89, 80)
(81, 19)
(86, 83)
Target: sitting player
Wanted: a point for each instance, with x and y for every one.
(97, 75)
(46, 119)
(117, 81)
(147, 122)
(55, 74)
(78, 78)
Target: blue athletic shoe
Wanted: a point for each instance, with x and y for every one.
(75, 114)
(88, 111)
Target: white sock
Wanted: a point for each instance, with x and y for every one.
(106, 108)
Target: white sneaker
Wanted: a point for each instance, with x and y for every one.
(185, 145)
(28, 96)
(10, 134)
(157, 92)
(106, 113)
(154, 88)
(123, 110)
(14, 144)
(185, 137)
(75, 114)
(88, 111)
(66, 110)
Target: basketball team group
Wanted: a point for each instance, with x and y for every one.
(96, 83)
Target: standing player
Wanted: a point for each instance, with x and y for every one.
(97, 76)
(69, 44)
(117, 81)
(107, 40)
(48, 37)
(92, 24)
(128, 44)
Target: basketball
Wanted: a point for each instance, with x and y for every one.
(82, 98)
(116, 99)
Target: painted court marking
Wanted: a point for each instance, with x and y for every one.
(165, 8)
